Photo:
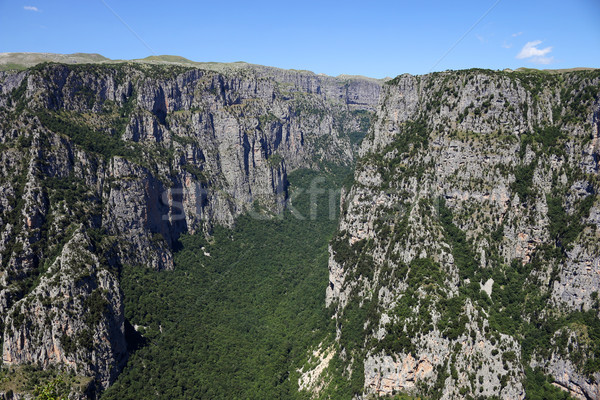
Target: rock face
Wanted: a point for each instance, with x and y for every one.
(468, 251)
(73, 317)
(104, 166)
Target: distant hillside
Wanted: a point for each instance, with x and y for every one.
(21, 61)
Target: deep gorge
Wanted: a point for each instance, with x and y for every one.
(149, 244)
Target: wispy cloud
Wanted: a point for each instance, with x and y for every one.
(533, 54)
(31, 8)
(507, 44)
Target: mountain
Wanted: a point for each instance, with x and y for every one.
(468, 256)
(104, 166)
(163, 231)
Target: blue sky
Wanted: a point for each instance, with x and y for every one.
(372, 38)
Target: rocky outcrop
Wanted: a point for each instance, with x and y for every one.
(476, 363)
(472, 220)
(104, 166)
(72, 318)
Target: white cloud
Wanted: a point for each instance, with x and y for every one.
(517, 34)
(506, 45)
(530, 50)
(31, 8)
(534, 54)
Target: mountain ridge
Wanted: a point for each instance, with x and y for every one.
(26, 60)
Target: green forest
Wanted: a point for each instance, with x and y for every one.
(235, 324)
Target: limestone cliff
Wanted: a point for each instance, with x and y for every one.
(468, 251)
(104, 166)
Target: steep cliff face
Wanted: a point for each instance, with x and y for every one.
(72, 317)
(104, 167)
(468, 250)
